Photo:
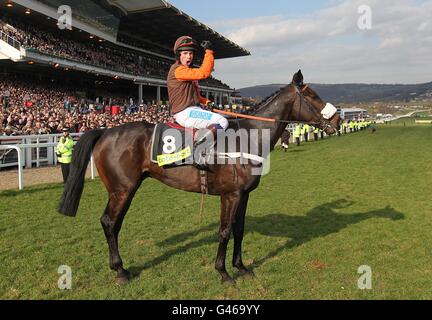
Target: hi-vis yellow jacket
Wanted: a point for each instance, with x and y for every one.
(65, 149)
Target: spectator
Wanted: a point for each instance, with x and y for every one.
(42, 110)
(56, 43)
(64, 153)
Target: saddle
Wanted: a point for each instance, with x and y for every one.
(172, 144)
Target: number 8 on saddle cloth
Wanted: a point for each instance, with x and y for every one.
(172, 145)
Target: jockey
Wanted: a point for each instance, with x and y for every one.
(183, 91)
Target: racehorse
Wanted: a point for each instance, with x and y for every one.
(122, 157)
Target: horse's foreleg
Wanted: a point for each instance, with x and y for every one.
(229, 205)
(238, 232)
(111, 220)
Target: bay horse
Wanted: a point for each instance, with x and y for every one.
(122, 157)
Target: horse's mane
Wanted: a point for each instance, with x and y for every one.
(262, 105)
(270, 98)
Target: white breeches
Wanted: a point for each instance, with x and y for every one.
(195, 117)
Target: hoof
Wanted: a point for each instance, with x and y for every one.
(228, 280)
(123, 277)
(247, 273)
(122, 281)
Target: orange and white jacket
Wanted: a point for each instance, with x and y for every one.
(182, 82)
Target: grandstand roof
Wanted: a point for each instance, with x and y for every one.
(154, 21)
(160, 22)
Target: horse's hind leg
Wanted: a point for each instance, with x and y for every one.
(229, 204)
(111, 220)
(238, 232)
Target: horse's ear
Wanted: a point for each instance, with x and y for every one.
(298, 79)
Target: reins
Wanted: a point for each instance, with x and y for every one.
(321, 122)
(245, 116)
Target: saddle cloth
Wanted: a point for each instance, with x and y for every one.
(172, 145)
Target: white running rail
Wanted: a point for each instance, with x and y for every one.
(20, 148)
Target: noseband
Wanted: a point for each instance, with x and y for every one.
(323, 122)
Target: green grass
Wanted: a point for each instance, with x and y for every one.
(408, 121)
(325, 209)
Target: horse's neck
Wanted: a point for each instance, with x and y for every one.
(276, 108)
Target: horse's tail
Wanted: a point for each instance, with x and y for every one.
(75, 183)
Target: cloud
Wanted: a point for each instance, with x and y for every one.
(330, 46)
(392, 42)
(423, 26)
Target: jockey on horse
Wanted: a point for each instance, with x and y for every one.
(183, 91)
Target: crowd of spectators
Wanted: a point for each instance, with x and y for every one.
(28, 109)
(93, 52)
(136, 42)
(90, 52)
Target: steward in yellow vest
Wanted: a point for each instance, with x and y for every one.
(297, 133)
(351, 126)
(306, 129)
(64, 153)
(315, 132)
(344, 127)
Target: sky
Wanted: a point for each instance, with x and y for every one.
(322, 38)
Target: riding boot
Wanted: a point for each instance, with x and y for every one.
(201, 163)
(211, 133)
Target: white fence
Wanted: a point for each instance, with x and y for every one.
(10, 48)
(10, 40)
(38, 150)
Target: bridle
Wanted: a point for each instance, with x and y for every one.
(322, 122)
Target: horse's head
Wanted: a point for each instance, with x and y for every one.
(311, 108)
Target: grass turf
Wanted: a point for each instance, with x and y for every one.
(325, 209)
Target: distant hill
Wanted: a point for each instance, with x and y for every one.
(352, 93)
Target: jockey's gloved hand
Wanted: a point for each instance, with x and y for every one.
(206, 44)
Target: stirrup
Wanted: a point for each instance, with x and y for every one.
(202, 140)
(211, 133)
(202, 162)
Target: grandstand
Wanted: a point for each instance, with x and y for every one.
(118, 52)
(353, 113)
